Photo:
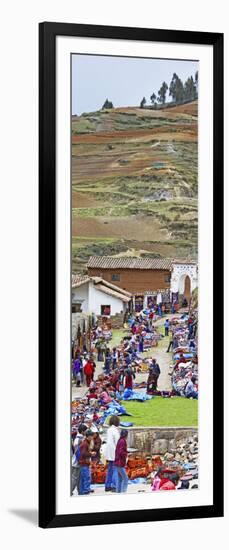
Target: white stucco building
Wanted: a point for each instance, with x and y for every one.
(93, 295)
(184, 278)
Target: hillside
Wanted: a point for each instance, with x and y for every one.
(134, 183)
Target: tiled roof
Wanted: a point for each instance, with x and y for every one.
(104, 286)
(111, 285)
(78, 280)
(109, 262)
(184, 262)
(111, 292)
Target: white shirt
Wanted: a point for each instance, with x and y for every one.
(112, 440)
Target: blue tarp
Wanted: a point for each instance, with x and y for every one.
(126, 424)
(137, 480)
(131, 395)
(114, 408)
(130, 481)
(185, 355)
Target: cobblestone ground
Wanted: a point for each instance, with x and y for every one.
(163, 358)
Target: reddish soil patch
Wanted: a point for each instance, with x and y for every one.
(100, 137)
(187, 109)
(138, 228)
(84, 200)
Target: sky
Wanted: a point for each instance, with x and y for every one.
(123, 80)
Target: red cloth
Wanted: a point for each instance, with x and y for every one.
(89, 371)
(128, 381)
(168, 486)
(88, 379)
(92, 395)
(121, 453)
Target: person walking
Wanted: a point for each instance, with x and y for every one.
(173, 343)
(75, 458)
(114, 357)
(77, 366)
(89, 372)
(166, 325)
(141, 344)
(151, 381)
(155, 370)
(120, 463)
(107, 363)
(84, 463)
(109, 452)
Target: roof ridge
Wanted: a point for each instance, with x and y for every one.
(110, 285)
(135, 262)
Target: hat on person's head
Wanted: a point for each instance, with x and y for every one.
(94, 430)
(89, 433)
(82, 428)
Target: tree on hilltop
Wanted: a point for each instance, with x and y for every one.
(108, 105)
(196, 81)
(189, 89)
(143, 102)
(162, 93)
(153, 99)
(176, 89)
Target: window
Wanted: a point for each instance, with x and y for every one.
(77, 308)
(115, 277)
(167, 278)
(105, 310)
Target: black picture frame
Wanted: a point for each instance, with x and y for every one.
(48, 31)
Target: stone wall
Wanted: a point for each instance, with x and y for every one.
(160, 440)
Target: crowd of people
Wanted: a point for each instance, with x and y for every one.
(86, 450)
(184, 371)
(107, 391)
(122, 361)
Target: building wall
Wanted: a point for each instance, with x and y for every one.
(79, 320)
(179, 273)
(160, 440)
(81, 293)
(98, 298)
(135, 280)
(93, 299)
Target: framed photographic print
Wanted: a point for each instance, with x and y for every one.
(131, 275)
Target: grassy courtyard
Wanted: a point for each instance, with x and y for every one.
(176, 411)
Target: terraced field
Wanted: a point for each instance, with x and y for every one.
(134, 183)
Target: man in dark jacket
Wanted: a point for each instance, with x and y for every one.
(156, 371)
(84, 463)
(120, 463)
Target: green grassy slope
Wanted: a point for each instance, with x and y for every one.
(134, 183)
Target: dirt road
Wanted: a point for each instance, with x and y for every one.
(160, 353)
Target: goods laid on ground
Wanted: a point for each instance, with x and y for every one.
(185, 358)
(182, 461)
(106, 393)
